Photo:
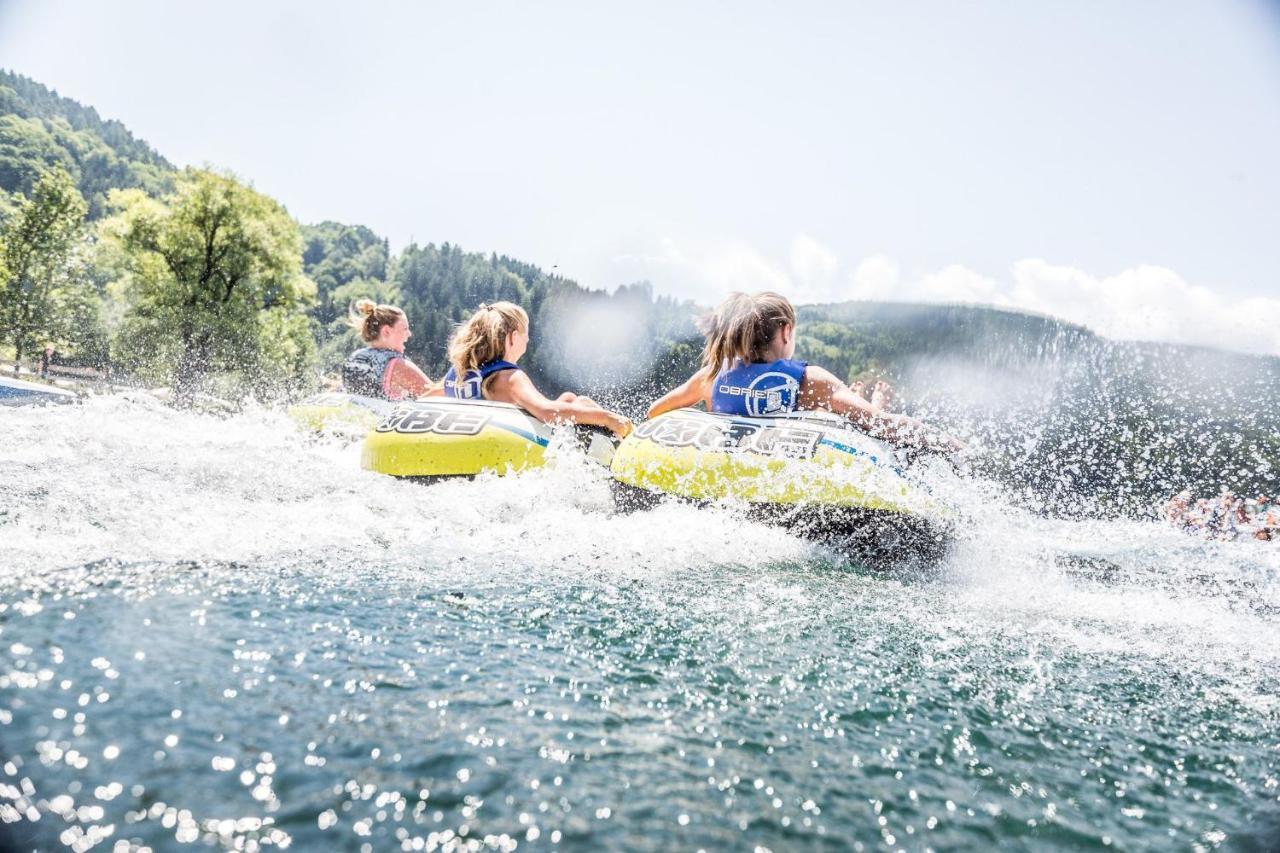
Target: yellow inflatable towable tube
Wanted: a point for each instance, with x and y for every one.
(339, 412)
(800, 458)
(811, 471)
(443, 437)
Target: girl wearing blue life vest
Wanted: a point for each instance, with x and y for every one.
(748, 369)
(484, 352)
(381, 368)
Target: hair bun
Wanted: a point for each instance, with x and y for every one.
(366, 307)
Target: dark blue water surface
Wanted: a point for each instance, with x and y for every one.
(214, 632)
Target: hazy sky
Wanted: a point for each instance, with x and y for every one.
(1114, 163)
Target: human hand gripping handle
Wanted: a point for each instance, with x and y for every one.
(910, 432)
(514, 386)
(620, 424)
(592, 413)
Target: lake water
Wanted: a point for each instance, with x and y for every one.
(215, 631)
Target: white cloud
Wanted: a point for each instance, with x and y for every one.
(1147, 303)
(958, 284)
(1142, 303)
(707, 273)
(813, 270)
(737, 266)
(877, 277)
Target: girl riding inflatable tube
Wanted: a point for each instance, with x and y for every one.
(373, 376)
(787, 438)
(489, 416)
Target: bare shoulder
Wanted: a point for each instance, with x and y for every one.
(404, 375)
(402, 364)
(820, 389)
(509, 386)
(498, 386)
(820, 376)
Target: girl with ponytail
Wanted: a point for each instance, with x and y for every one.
(482, 366)
(749, 369)
(381, 368)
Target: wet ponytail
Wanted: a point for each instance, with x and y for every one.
(368, 318)
(742, 327)
(483, 338)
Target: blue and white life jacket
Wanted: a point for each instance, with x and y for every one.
(753, 390)
(367, 370)
(472, 385)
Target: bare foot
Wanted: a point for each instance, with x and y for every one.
(882, 396)
(859, 388)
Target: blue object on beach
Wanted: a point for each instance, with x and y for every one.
(17, 392)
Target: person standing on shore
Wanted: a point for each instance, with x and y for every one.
(381, 368)
(46, 361)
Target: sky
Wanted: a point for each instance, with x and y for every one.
(1114, 164)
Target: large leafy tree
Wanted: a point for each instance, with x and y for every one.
(212, 279)
(44, 285)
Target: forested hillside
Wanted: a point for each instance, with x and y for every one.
(40, 129)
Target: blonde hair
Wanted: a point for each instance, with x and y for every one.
(368, 318)
(483, 338)
(742, 327)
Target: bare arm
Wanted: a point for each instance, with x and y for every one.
(405, 377)
(822, 390)
(515, 387)
(697, 387)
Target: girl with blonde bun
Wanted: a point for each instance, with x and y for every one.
(748, 369)
(381, 368)
(482, 366)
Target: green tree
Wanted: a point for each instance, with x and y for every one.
(44, 286)
(336, 255)
(27, 151)
(346, 262)
(212, 279)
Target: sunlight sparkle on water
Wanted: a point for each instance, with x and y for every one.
(240, 639)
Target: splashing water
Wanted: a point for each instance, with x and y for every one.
(223, 630)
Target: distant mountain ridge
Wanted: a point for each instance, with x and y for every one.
(962, 327)
(1073, 415)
